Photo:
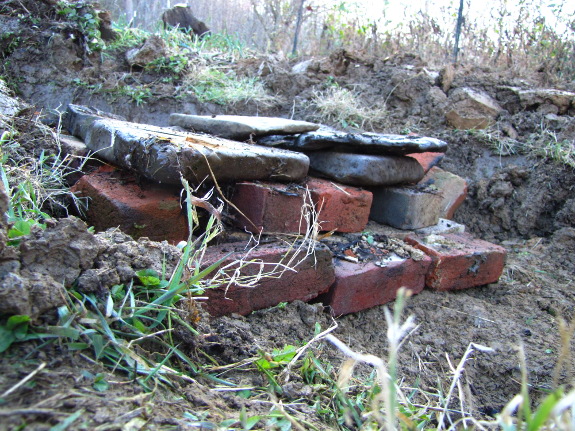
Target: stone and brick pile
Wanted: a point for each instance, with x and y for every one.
(274, 168)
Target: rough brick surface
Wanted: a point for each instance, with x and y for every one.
(365, 285)
(277, 208)
(405, 207)
(269, 207)
(341, 208)
(312, 276)
(451, 188)
(116, 199)
(459, 261)
(427, 160)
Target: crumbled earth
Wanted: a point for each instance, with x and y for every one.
(524, 203)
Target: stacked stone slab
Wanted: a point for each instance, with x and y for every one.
(166, 155)
(348, 159)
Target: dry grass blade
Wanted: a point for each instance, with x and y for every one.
(345, 108)
(24, 380)
(457, 373)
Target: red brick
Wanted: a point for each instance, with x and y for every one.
(269, 207)
(341, 208)
(116, 199)
(277, 208)
(359, 286)
(451, 188)
(311, 277)
(427, 160)
(459, 261)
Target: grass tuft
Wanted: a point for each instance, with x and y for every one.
(37, 185)
(225, 88)
(544, 144)
(343, 107)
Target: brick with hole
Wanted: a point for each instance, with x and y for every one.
(459, 261)
(277, 208)
(292, 274)
(117, 199)
(359, 286)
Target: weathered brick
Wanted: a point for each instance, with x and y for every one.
(117, 199)
(312, 276)
(274, 207)
(341, 208)
(359, 286)
(269, 207)
(451, 188)
(437, 195)
(459, 261)
(427, 160)
(405, 207)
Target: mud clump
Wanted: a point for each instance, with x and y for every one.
(120, 259)
(35, 275)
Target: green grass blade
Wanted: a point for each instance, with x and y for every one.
(68, 421)
(543, 412)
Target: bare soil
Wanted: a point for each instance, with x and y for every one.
(524, 203)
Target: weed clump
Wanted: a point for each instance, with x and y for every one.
(346, 109)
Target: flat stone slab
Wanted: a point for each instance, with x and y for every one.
(366, 170)
(240, 127)
(290, 142)
(163, 155)
(535, 97)
(362, 143)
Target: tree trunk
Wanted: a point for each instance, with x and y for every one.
(297, 27)
(458, 31)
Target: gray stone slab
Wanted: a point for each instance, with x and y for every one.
(163, 154)
(366, 169)
(296, 142)
(368, 143)
(240, 127)
(405, 207)
(282, 141)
